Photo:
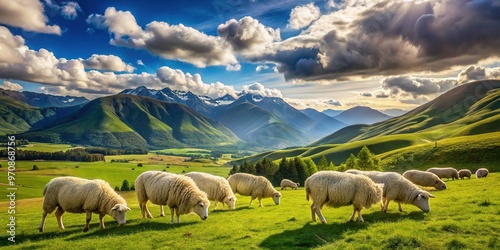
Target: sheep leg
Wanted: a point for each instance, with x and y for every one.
(260, 202)
(59, 214)
(320, 215)
(360, 218)
(146, 211)
(162, 211)
(352, 215)
(178, 216)
(42, 224)
(382, 203)
(101, 220)
(251, 199)
(313, 213)
(386, 205)
(172, 215)
(216, 204)
(87, 222)
(400, 208)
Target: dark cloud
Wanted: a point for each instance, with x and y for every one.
(397, 37)
(366, 94)
(417, 86)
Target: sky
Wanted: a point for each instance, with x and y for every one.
(328, 54)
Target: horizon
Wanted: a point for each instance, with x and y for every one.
(313, 54)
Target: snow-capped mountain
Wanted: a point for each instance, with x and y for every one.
(44, 100)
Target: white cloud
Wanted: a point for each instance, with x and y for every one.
(107, 62)
(27, 15)
(11, 86)
(139, 62)
(68, 10)
(302, 16)
(259, 89)
(260, 68)
(474, 73)
(175, 42)
(233, 67)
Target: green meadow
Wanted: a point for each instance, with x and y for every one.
(465, 216)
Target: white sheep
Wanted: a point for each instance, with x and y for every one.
(444, 172)
(289, 183)
(462, 173)
(254, 186)
(425, 179)
(481, 173)
(77, 195)
(216, 187)
(338, 189)
(178, 192)
(398, 189)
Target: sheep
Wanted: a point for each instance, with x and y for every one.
(399, 189)
(338, 189)
(178, 192)
(426, 179)
(77, 195)
(216, 187)
(254, 186)
(482, 173)
(288, 183)
(444, 172)
(464, 173)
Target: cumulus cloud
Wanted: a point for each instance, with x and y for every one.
(381, 94)
(366, 94)
(77, 76)
(259, 89)
(68, 10)
(139, 62)
(389, 37)
(260, 68)
(233, 67)
(11, 86)
(334, 103)
(107, 62)
(175, 42)
(248, 36)
(417, 86)
(302, 16)
(474, 73)
(27, 15)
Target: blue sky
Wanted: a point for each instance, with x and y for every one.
(322, 54)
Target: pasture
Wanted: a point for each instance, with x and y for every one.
(465, 216)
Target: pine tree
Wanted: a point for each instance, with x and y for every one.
(301, 168)
(323, 163)
(350, 163)
(125, 186)
(311, 166)
(234, 170)
(366, 160)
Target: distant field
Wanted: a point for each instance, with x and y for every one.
(465, 216)
(183, 151)
(46, 147)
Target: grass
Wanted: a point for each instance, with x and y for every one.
(458, 220)
(46, 147)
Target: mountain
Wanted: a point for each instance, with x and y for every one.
(202, 104)
(361, 115)
(323, 119)
(394, 112)
(17, 116)
(472, 108)
(332, 112)
(43, 100)
(130, 121)
(259, 127)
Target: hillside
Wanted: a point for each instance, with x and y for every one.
(260, 127)
(17, 116)
(127, 121)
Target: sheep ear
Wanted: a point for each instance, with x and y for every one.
(114, 208)
(432, 196)
(128, 209)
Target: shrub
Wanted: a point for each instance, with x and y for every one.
(35, 167)
(117, 188)
(133, 168)
(132, 188)
(139, 164)
(77, 166)
(125, 186)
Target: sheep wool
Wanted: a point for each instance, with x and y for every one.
(77, 195)
(338, 189)
(254, 186)
(216, 187)
(462, 173)
(178, 192)
(288, 183)
(444, 172)
(425, 179)
(481, 173)
(398, 189)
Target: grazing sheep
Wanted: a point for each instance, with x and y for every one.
(399, 189)
(464, 173)
(178, 192)
(426, 179)
(254, 186)
(444, 172)
(216, 187)
(77, 195)
(338, 189)
(482, 173)
(288, 183)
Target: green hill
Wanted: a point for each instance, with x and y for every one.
(126, 121)
(470, 112)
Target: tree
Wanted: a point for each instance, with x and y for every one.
(366, 160)
(234, 170)
(350, 163)
(301, 169)
(323, 163)
(125, 186)
(247, 167)
(35, 167)
(311, 166)
(266, 168)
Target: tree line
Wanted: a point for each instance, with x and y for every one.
(299, 169)
(77, 154)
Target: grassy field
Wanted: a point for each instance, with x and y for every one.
(465, 216)
(46, 147)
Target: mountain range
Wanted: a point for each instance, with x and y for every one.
(262, 122)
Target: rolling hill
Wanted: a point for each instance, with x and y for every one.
(129, 121)
(470, 112)
(259, 127)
